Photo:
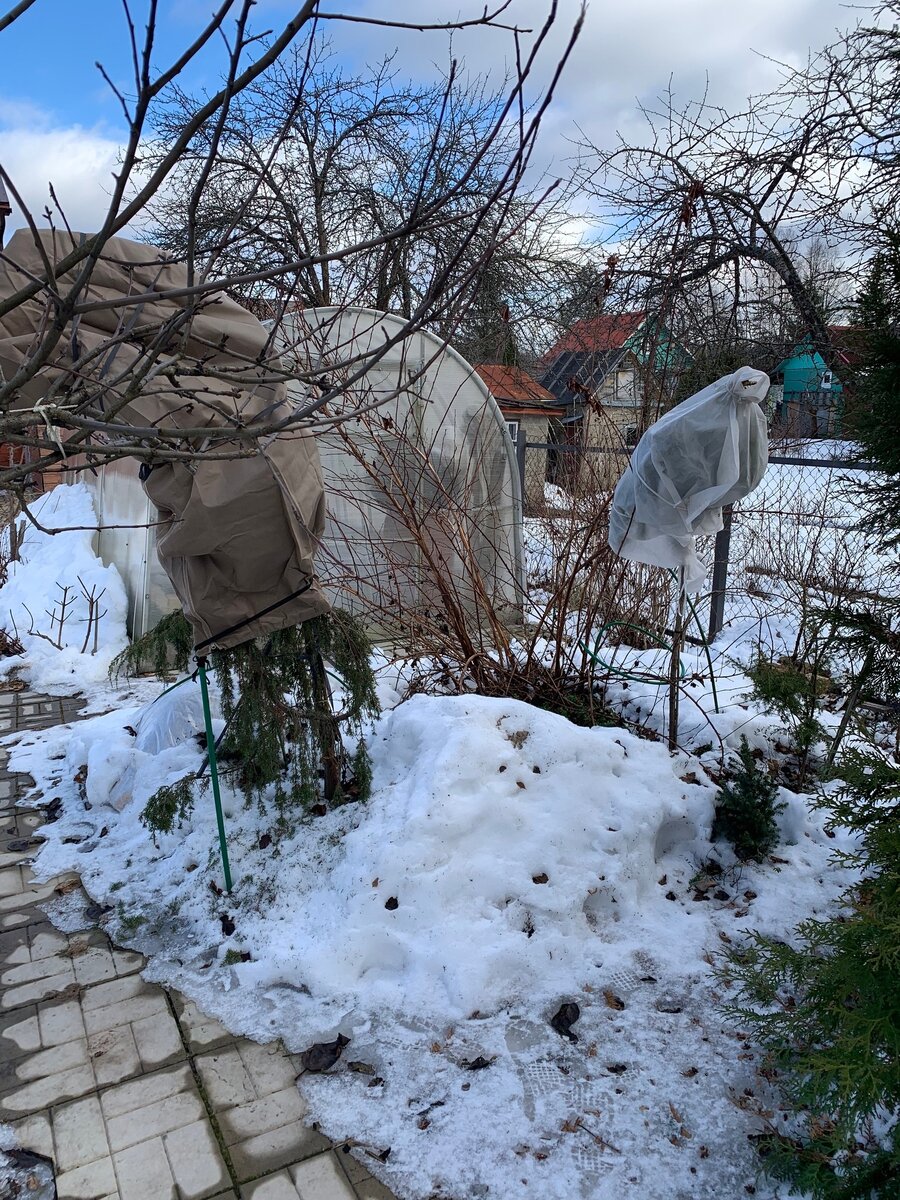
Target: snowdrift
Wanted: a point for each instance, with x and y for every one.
(54, 567)
(507, 863)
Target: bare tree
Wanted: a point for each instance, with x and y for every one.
(71, 385)
(744, 214)
(314, 157)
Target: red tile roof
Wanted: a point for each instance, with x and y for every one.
(513, 384)
(849, 343)
(610, 331)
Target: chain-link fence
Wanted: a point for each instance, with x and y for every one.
(798, 541)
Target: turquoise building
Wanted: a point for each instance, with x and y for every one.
(807, 395)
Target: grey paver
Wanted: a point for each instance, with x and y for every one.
(276, 1111)
(279, 1186)
(275, 1148)
(36, 1133)
(158, 1040)
(143, 1171)
(88, 1182)
(364, 1184)
(321, 1178)
(195, 1160)
(201, 1032)
(42, 1093)
(20, 1033)
(61, 1021)
(99, 1071)
(80, 1134)
(114, 1055)
(149, 1089)
(154, 1119)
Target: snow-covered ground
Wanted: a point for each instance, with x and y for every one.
(23, 1176)
(508, 864)
(801, 532)
(67, 608)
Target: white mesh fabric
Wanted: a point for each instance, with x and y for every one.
(709, 451)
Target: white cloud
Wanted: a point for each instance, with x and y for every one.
(627, 52)
(79, 162)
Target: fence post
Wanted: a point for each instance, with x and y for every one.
(720, 575)
(520, 460)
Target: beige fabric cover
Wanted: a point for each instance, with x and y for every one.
(239, 535)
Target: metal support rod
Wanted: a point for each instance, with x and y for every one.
(720, 575)
(214, 772)
(520, 460)
(677, 641)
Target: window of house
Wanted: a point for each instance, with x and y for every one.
(624, 386)
(513, 430)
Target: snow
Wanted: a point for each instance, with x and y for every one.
(507, 862)
(556, 497)
(802, 531)
(22, 1173)
(66, 659)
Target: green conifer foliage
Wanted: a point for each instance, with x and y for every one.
(282, 731)
(876, 386)
(170, 805)
(827, 1010)
(792, 688)
(746, 808)
(166, 647)
(281, 727)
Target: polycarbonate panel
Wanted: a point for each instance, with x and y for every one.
(127, 538)
(433, 456)
(430, 469)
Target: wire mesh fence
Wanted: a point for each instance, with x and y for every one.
(798, 541)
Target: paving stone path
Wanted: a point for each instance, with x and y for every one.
(130, 1090)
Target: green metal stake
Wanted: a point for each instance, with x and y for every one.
(214, 771)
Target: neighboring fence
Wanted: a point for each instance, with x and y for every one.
(799, 534)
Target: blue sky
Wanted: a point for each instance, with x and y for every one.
(49, 55)
(59, 121)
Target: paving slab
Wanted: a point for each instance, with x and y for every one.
(128, 1088)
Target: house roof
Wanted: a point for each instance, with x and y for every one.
(848, 343)
(802, 369)
(513, 385)
(609, 331)
(571, 371)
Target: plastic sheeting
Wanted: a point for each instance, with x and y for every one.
(236, 536)
(423, 489)
(709, 451)
(171, 719)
